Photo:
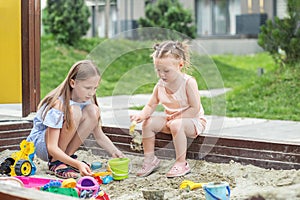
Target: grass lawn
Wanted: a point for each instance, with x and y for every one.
(127, 69)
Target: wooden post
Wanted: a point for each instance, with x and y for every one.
(30, 22)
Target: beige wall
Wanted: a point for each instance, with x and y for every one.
(189, 4)
(131, 9)
(257, 6)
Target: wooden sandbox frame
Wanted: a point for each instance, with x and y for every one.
(264, 154)
(260, 153)
(214, 149)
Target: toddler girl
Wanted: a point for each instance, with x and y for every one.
(178, 93)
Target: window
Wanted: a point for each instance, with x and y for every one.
(220, 16)
(216, 17)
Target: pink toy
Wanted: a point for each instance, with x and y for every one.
(34, 182)
(88, 183)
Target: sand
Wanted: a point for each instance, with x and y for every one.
(246, 181)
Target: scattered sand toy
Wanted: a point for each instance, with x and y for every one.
(136, 142)
(190, 185)
(20, 163)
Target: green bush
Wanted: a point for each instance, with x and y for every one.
(169, 14)
(281, 38)
(66, 20)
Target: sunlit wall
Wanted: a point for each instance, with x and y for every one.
(10, 52)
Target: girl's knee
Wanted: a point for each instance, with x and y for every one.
(175, 126)
(149, 124)
(91, 112)
(155, 124)
(146, 122)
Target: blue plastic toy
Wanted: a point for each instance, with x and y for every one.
(107, 179)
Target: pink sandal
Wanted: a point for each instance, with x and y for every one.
(179, 169)
(148, 168)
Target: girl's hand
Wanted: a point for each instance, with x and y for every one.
(168, 123)
(169, 118)
(173, 116)
(117, 154)
(84, 169)
(137, 118)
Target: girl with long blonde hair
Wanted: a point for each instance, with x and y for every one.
(66, 117)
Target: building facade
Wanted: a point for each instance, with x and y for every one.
(235, 17)
(123, 16)
(213, 18)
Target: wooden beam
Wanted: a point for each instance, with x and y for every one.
(30, 22)
(264, 154)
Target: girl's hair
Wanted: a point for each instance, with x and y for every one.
(81, 70)
(178, 50)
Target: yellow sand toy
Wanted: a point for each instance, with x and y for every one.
(20, 163)
(136, 142)
(190, 185)
(102, 173)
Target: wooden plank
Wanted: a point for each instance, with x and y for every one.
(168, 153)
(10, 147)
(11, 134)
(222, 141)
(16, 125)
(9, 192)
(264, 154)
(11, 141)
(213, 149)
(14, 133)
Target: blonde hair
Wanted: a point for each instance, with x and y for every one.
(81, 70)
(178, 50)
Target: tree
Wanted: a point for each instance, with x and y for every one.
(66, 20)
(281, 37)
(169, 14)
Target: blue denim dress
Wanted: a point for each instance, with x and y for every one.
(54, 119)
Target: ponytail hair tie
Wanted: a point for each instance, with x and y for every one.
(156, 47)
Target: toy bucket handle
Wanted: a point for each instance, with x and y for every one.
(215, 197)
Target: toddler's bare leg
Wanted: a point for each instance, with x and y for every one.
(180, 130)
(150, 127)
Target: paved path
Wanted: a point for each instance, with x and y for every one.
(116, 112)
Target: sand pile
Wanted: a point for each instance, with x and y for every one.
(246, 181)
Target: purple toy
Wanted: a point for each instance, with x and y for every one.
(88, 183)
